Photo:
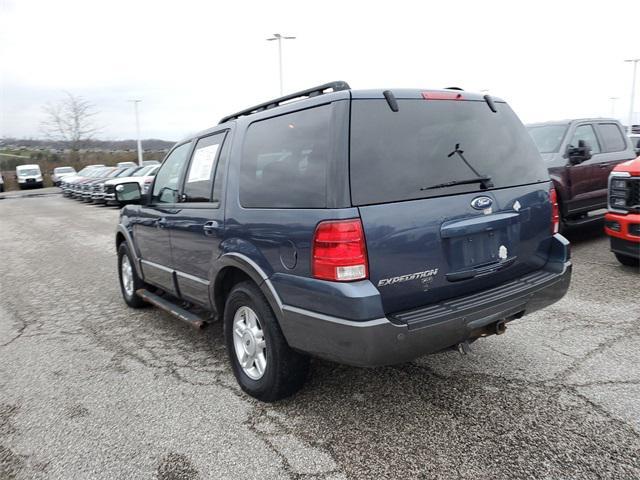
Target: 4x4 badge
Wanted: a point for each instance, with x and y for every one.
(481, 203)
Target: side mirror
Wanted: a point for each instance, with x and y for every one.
(129, 193)
(579, 154)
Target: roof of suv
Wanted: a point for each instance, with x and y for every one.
(319, 95)
(417, 93)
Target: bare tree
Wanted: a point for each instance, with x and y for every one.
(70, 120)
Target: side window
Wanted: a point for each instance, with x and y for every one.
(165, 188)
(285, 161)
(586, 133)
(611, 137)
(202, 169)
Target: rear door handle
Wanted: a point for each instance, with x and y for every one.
(161, 223)
(210, 228)
(603, 165)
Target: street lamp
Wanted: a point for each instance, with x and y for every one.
(135, 106)
(279, 38)
(613, 105)
(633, 92)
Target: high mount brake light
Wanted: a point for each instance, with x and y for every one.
(442, 95)
(339, 251)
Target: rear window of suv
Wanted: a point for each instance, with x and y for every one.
(284, 161)
(403, 155)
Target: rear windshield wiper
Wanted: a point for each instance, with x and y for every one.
(485, 182)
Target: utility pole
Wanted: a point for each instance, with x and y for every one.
(613, 105)
(633, 92)
(135, 106)
(279, 38)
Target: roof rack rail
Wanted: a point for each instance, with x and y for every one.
(308, 93)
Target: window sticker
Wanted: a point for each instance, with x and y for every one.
(202, 164)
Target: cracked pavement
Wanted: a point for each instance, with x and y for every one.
(92, 389)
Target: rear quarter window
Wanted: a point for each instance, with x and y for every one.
(198, 181)
(612, 137)
(397, 156)
(284, 161)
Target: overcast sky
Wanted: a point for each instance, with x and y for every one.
(191, 62)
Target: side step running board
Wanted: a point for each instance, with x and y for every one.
(584, 221)
(180, 313)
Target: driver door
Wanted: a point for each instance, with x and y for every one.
(151, 233)
(583, 176)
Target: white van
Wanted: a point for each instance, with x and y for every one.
(29, 176)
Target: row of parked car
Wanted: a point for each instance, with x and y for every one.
(97, 183)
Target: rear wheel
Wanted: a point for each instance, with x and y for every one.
(129, 280)
(264, 365)
(628, 261)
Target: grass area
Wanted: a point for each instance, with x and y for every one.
(10, 182)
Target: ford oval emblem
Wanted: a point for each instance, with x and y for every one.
(481, 203)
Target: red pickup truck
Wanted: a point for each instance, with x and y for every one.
(622, 222)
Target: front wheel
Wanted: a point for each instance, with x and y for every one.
(129, 280)
(263, 363)
(628, 261)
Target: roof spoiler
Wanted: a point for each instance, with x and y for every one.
(308, 93)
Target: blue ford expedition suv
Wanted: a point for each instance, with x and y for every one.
(366, 227)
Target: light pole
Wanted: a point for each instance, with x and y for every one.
(633, 92)
(613, 105)
(279, 38)
(135, 106)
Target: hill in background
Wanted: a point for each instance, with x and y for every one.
(149, 144)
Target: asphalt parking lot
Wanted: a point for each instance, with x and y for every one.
(92, 389)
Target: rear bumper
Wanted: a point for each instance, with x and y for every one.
(408, 335)
(30, 184)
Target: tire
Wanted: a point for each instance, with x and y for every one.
(628, 261)
(284, 371)
(128, 290)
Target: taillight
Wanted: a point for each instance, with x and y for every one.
(339, 251)
(555, 211)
